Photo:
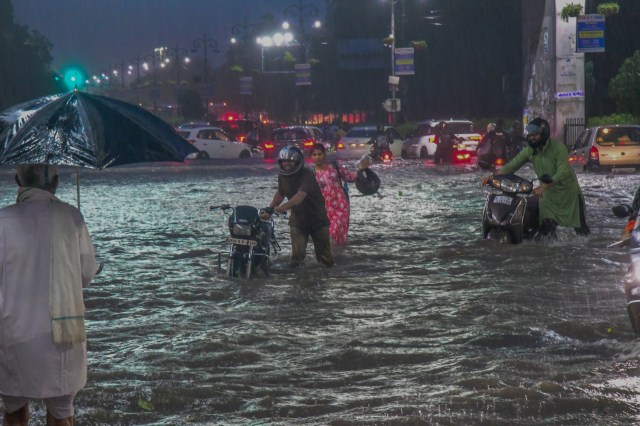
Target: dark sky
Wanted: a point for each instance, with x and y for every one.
(97, 33)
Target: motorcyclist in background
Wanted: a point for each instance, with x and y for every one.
(379, 142)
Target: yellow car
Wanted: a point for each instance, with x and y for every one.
(614, 148)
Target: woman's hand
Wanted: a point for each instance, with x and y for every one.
(365, 162)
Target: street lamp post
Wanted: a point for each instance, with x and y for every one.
(393, 57)
(179, 52)
(206, 43)
(154, 89)
(245, 31)
(301, 12)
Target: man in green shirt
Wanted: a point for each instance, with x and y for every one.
(561, 200)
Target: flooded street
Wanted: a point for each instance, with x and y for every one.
(419, 322)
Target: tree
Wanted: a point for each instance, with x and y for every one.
(191, 104)
(26, 59)
(624, 89)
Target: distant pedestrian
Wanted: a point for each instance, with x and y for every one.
(46, 258)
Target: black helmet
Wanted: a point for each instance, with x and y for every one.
(538, 126)
(291, 153)
(367, 182)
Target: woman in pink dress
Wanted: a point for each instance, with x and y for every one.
(330, 177)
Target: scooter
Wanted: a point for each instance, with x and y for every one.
(510, 211)
(631, 239)
(251, 240)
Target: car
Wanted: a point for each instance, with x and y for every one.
(614, 148)
(213, 142)
(421, 143)
(238, 128)
(355, 143)
(304, 137)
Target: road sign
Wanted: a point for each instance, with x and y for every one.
(391, 105)
(303, 74)
(403, 61)
(246, 85)
(590, 33)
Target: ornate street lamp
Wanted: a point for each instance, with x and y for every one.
(154, 90)
(245, 31)
(179, 53)
(206, 44)
(301, 12)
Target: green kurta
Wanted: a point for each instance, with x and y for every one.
(561, 202)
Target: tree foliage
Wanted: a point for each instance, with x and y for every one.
(26, 58)
(624, 89)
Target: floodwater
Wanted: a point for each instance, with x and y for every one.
(419, 322)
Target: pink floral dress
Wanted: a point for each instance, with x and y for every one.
(335, 200)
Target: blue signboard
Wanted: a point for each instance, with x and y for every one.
(590, 33)
(403, 61)
(246, 85)
(303, 74)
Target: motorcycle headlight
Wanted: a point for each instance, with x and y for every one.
(242, 229)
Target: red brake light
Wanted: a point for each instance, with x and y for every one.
(386, 157)
(242, 138)
(308, 143)
(339, 145)
(499, 161)
(594, 155)
(268, 146)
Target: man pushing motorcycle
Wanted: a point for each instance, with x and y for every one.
(561, 200)
(308, 217)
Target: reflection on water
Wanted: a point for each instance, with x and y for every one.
(420, 321)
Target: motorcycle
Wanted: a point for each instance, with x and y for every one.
(631, 239)
(510, 211)
(251, 240)
(379, 151)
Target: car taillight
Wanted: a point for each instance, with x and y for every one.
(339, 145)
(594, 155)
(268, 146)
(499, 161)
(309, 143)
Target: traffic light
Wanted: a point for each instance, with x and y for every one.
(73, 77)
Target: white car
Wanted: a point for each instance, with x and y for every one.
(213, 142)
(355, 143)
(421, 143)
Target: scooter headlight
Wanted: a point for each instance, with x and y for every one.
(525, 187)
(509, 186)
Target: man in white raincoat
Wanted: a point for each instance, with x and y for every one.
(46, 258)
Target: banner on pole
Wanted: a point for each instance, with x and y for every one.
(303, 74)
(246, 85)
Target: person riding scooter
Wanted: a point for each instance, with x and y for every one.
(379, 144)
(561, 200)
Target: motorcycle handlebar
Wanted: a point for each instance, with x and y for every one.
(271, 211)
